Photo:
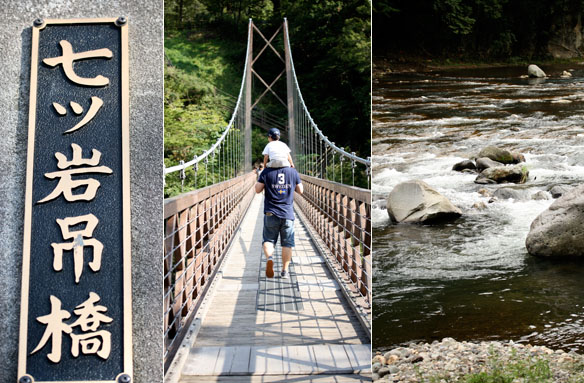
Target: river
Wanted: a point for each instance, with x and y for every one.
(473, 279)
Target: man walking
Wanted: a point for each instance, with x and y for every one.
(280, 185)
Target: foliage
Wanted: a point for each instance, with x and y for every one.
(194, 109)
(530, 370)
(467, 29)
(455, 15)
(259, 140)
(333, 169)
(331, 40)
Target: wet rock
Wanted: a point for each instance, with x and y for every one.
(463, 165)
(485, 163)
(566, 74)
(559, 190)
(500, 155)
(508, 193)
(558, 231)
(503, 174)
(540, 195)
(535, 71)
(484, 181)
(496, 154)
(416, 202)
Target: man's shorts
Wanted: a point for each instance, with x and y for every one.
(274, 227)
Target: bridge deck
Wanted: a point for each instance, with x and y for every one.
(282, 330)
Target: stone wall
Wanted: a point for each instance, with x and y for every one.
(145, 19)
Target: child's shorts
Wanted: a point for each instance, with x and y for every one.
(278, 164)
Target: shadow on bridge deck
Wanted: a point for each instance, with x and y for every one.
(242, 339)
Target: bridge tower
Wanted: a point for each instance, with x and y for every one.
(250, 73)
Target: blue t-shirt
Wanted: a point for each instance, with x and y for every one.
(279, 185)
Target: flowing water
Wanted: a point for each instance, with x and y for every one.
(473, 279)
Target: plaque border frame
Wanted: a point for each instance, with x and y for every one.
(126, 208)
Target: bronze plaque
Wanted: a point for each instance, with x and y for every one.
(76, 313)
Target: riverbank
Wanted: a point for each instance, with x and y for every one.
(436, 281)
(485, 362)
(383, 65)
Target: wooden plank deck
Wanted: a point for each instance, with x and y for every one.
(240, 342)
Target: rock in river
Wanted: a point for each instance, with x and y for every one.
(485, 163)
(540, 195)
(558, 231)
(464, 165)
(535, 71)
(501, 155)
(559, 190)
(515, 174)
(416, 202)
(507, 193)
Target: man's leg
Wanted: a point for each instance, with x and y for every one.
(286, 257)
(287, 241)
(270, 237)
(269, 251)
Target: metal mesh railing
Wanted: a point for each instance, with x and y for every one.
(341, 216)
(198, 227)
(315, 155)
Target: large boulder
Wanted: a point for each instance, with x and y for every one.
(559, 230)
(485, 163)
(535, 71)
(416, 202)
(501, 155)
(503, 174)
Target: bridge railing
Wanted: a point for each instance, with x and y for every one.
(198, 228)
(341, 216)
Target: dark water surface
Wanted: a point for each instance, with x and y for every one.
(473, 279)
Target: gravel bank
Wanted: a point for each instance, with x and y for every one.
(451, 361)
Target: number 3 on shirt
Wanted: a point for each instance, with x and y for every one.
(281, 179)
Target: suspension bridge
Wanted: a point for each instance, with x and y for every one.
(224, 321)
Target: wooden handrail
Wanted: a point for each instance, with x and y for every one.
(198, 228)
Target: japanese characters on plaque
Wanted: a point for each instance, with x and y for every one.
(76, 291)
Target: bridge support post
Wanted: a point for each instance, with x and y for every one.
(290, 92)
(248, 102)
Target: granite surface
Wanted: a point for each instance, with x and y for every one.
(145, 19)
